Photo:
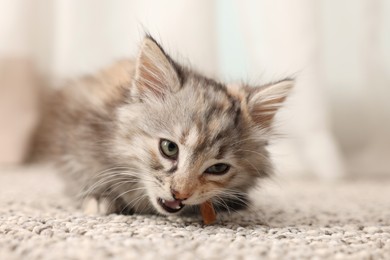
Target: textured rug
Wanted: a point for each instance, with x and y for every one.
(300, 219)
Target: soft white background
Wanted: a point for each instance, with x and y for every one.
(338, 118)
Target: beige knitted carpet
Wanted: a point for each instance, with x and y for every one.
(290, 220)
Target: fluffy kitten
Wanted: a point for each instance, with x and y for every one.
(156, 137)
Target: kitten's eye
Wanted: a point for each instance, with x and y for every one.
(218, 169)
(169, 149)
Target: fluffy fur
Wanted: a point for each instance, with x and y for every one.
(105, 131)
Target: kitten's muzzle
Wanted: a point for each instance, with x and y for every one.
(170, 206)
(180, 195)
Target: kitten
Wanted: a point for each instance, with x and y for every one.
(152, 136)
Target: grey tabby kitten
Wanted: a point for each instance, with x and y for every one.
(152, 136)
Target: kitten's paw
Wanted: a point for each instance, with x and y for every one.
(90, 206)
(95, 206)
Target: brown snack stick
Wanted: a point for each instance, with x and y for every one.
(208, 213)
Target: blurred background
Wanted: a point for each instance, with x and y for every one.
(336, 123)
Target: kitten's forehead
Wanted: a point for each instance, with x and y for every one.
(215, 115)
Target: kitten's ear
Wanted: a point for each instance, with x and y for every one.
(155, 71)
(264, 102)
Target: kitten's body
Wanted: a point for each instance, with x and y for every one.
(105, 132)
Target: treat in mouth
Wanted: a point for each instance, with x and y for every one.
(171, 206)
(208, 213)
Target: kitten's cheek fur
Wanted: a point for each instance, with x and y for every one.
(153, 200)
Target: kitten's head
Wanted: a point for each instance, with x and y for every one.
(191, 138)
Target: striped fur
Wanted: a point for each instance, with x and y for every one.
(105, 134)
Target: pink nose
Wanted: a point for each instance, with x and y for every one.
(180, 195)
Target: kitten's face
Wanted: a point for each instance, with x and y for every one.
(192, 139)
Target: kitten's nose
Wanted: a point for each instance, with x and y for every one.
(180, 195)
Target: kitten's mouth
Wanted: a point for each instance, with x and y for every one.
(171, 206)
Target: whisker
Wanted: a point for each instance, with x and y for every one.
(228, 208)
(118, 182)
(223, 203)
(137, 203)
(261, 155)
(129, 203)
(99, 183)
(233, 194)
(123, 193)
(108, 172)
(251, 164)
(245, 139)
(111, 177)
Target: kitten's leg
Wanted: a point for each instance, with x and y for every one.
(105, 207)
(90, 206)
(94, 206)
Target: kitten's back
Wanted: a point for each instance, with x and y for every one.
(80, 102)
